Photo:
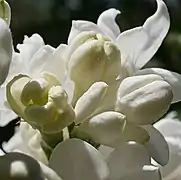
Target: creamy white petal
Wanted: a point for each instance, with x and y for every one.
(78, 160)
(80, 26)
(126, 158)
(5, 50)
(172, 78)
(89, 101)
(105, 128)
(157, 145)
(107, 23)
(13, 93)
(141, 43)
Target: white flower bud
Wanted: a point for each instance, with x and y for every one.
(89, 101)
(105, 128)
(93, 58)
(5, 11)
(143, 99)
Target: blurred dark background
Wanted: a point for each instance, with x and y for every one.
(52, 20)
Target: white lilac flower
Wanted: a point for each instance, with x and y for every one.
(170, 127)
(84, 84)
(94, 110)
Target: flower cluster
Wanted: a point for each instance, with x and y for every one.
(87, 108)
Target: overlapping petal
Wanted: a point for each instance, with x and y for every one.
(89, 101)
(29, 47)
(143, 99)
(28, 141)
(78, 160)
(106, 25)
(157, 145)
(127, 158)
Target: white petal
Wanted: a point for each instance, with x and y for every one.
(17, 66)
(157, 145)
(127, 157)
(27, 141)
(78, 160)
(30, 46)
(141, 43)
(5, 50)
(40, 60)
(172, 78)
(169, 127)
(6, 116)
(89, 101)
(56, 64)
(147, 172)
(105, 128)
(171, 130)
(107, 23)
(80, 26)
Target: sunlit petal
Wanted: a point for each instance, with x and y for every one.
(107, 23)
(141, 43)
